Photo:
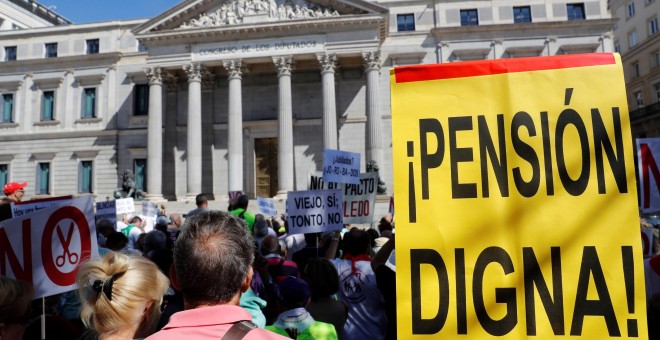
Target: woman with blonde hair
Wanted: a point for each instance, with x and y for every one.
(121, 295)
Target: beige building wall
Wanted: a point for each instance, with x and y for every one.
(116, 137)
(638, 40)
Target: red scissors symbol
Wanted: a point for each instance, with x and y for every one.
(66, 254)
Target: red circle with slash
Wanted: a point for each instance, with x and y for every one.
(71, 213)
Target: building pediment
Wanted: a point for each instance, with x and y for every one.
(259, 11)
(195, 15)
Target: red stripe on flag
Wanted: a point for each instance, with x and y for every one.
(465, 69)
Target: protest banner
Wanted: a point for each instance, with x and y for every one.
(47, 246)
(149, 209)
(125, 205)
(106, 210)
(648, 150)
(341, 166)
(358, 199)
(516, 202)
(19, 209)
(266, 206)
(314, 211)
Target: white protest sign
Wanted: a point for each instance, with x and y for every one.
(125, 205)
(149, 209)
(341, 166)
(266, 206)
(46, 247)
(358, 199)
(314, 211)
(19, 209)
(106, 210)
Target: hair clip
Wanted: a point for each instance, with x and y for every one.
(104, 286)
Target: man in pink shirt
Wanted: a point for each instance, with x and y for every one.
(213, 262)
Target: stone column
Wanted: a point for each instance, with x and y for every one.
(194, 132)
(155, 135)
(235, 125)
(111, 106)
(374, 121)
(550, 47)
(328, 64)
(29, 96)
(284, 66)
(443, 52)
(606, 43)
(68, 117)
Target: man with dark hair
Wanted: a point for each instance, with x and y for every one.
(103, 229)
(240, 206)
(133, 230)
(296, 322)
(213, 263)
(202, 203)
(278, 267)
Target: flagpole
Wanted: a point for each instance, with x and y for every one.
(43, 318)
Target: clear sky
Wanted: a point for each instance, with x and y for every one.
(84, 11)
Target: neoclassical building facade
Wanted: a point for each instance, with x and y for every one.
(226, 95)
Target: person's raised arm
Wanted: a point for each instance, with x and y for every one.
(383, 254)
(332, 247)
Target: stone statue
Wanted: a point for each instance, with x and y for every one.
(233, 12)
(128, 188)
(372, 166)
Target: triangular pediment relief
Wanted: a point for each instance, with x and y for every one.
(196, 14)
(259, 11)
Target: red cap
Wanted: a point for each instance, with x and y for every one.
(11, 187)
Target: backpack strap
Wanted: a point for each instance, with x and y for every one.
(238, 330)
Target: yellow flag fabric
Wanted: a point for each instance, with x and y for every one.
(516, 200)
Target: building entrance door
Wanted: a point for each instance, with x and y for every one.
(265, 150)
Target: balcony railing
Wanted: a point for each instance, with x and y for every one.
(645, 111)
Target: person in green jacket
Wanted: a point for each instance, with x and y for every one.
(238, 207)
(295, 321)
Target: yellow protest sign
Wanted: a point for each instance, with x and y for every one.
(516, 200)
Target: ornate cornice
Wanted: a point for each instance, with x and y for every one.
(371, 60)
(234, 68)
(262, 30)
(328, 62)
(284, 65)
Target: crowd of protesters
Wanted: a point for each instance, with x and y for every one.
(230, 275)
(214, 274)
